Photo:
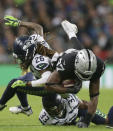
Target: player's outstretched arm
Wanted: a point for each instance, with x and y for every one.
(12, 21)
(38, 28)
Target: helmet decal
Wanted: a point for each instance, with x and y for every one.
(89, 68)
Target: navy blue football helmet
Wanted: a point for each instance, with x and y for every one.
(54, 105)
(24, 49)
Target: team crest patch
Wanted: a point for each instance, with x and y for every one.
(42, 66)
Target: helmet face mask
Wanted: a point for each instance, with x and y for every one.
(19, 59)
(54, 105)
(56, 111)
(85, 64)
(82, 76)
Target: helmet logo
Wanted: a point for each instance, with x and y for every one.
(60, 65)
(19, 42)
(32, 40)
(85, 64)
(27, 44)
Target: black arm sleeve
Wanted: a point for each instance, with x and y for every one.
(37, 91)
(76, 43)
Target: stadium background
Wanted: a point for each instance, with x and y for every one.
(94, 19)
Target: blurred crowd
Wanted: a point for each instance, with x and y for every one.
(94, 19)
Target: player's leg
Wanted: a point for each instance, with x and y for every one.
(24, 107)
(110, 118)
(107, 119)
(99, 118)
(71, 30)
(7, 95)
(10, 92)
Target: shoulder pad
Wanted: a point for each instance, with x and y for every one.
(40, 62)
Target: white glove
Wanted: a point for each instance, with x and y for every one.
(70, 29)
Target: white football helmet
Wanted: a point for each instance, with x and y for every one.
(85, 64)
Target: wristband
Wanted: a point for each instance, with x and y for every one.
(94, 95)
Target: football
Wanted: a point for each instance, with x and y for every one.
(68, 83)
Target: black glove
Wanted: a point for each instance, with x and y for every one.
(84, 122)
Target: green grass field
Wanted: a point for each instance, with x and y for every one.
(21, 122)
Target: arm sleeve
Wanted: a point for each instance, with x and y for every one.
(76, 43)
(42, 80)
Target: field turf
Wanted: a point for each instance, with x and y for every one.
(21, 122)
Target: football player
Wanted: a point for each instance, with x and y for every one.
(41, 70)
(25, 59)
(64, 111)
(33, 43)
(80, 65)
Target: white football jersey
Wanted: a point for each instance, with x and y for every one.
(35, 39)
(39, 63)
(41, 40)
(57, 56)
(71, 103)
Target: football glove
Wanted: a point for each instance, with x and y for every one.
(81, 125)
(18, 83)
(84, 122)
(11, 21)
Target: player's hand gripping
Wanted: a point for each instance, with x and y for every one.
(81, 125)
(18, 83)
(11, 21)
(84, 122)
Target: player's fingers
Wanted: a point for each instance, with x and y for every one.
(7, 24)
